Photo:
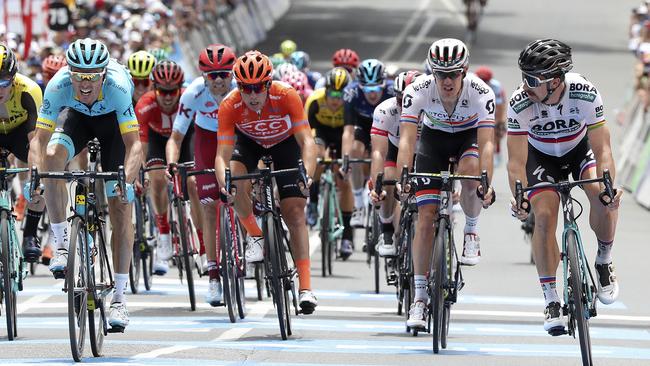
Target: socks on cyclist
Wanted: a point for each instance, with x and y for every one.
(120, 286)
(31, 222)
(213, 270)
(348, 232)
(199, 233)
(471, 225)
(304, 276)
(313, 193)
(387, 224)
(604, 255)
(162, 223)
(420, 288)
(250, 224)
(61, 235)
(548, 287)
(359, 202)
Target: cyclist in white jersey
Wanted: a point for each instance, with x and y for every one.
(200, 104)
(457, 113)
(555, 119)
(384, 138)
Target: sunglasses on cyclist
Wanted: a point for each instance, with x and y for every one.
(442, 75)
(335, 94)
(214, 75)
(533, 81)
(86, 76)
(369, 88)
(141, 82)
(167, 92)
(253, 88)
(5, 83)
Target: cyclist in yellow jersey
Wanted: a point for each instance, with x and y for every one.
(20, 99)
(324, 109)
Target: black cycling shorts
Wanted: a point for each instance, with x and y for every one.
(362, 134)
(285, 155)
(435, 148)
(156, 148)
(17, 140)
(391, 155)
(542, 168)
(329, 137)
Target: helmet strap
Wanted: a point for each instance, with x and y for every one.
(550, 91)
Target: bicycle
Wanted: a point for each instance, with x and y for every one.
(145, 241)
(183, 236)
(391, 263)
(445, 276)
(330, 224)
(279, 274)
(232, 266)
(473, 12)
(13, 270)
(88, 276)
(580, 289)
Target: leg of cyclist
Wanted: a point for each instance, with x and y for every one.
(346, 201)
(312, 208)
(358, 216)
(158, 189)
(197, 218)
(244, 208)
(386, 245)
(471, 204)
(214, 296)
(422, 251)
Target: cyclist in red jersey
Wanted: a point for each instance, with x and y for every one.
(156, 111)
(267, 118)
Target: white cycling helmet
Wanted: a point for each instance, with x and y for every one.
(448, 54)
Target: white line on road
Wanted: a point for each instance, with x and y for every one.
(455, 12)
(417, 41)
(410, 23)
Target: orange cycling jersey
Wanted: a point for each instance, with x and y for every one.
(281, 116)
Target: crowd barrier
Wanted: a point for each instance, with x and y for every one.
(242, 27)
(634, 159)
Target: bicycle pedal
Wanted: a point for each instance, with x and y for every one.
(59, 275)
(215, 304)
(116, 329)
(557, 331)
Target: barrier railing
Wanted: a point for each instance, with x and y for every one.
(634, 147)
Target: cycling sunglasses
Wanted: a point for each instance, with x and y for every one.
(167, 92)
(442, 75)
(533, 81)
(214, 75)
(253, 88)
(369, 88)
(5, 83)
(335, 94)
(141, 82)
(87, 76)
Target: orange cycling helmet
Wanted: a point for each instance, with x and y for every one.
(53, 63)
(253, 68)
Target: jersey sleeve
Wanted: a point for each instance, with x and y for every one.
(123, 105)
(143, 119)
(32, 100)
(411, 105)
(517, 108)
(486, 109)
(186, 112)
(379, 122)
(53, 101)
(350, 116)
(295, 110)
(591, 105)
(227, 119)
(312, 108)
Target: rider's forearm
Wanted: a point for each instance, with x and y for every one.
(407, 142)
(486, 150)
(173, 147)
(347, 140)
(309, 153)
(38, 148)
(224, 154)
(379, 149)
(132, 160)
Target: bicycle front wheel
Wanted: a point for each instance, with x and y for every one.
(274, 271)
(375, 227)
(76, 284)
(325, 229)
(7, 282)
(101, 281)
(228, 273)
(438, 271)
(579, 306)
(185, 230)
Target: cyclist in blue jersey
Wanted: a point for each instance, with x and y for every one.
(95, 91)
(361, 97)
(200, 104)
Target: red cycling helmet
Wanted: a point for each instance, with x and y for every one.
(53, 63)
(345, 57)
(216, 57)
(484, 73)
(167, 75)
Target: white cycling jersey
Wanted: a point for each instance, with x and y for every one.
(385, 121)
(198, 105)
(557, 129)
(474, 109)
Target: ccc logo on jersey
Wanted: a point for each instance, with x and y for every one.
(266, 129)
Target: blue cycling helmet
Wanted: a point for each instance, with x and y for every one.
(300, 59)
(371, 71)
(87, 54)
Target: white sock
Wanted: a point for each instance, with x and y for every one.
(359, 202)
(549, 289)
(420, 288)
(120, 286)
(61, 235)
(471, 225)
(604, 255)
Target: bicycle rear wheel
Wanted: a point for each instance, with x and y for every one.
(259, 280)
(228, 271)
(240, 268)
(375, 227)
(101, 284)
(325, 230)
(438, 272)
(135, 269)
(150, 235)
(274, 271)
(7, 282)
(578, 303)
(185, 231)
(76, 283)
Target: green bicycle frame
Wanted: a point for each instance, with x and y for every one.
(16, 252)
(334, 213)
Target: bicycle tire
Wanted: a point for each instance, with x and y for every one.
(578, 304)
(325, 229)
(228, 276)
(240, 269)
(97, 326)
(438, 270)
(375, 237)
(274, 271)
(7, 283)
(185, 230)
(259, 280)
(76, 282)
(151, 234)
(135, 269)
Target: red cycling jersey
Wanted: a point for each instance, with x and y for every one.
(150, 116)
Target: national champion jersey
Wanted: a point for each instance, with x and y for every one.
(385, 121)
(556, 129)
(25, 99)
(474, 109)
(115, 96)
(319, 113)
(281, 116)
(150, 116)
(358, 111)
(199, 105)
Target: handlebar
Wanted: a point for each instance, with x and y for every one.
(264, 173)
(76, 175)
